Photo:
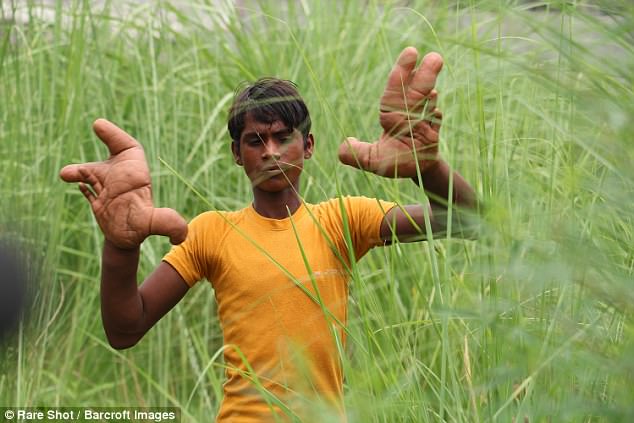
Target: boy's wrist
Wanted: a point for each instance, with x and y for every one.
(121, 250)
(429, 172)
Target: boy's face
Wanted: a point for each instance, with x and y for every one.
(272, 154)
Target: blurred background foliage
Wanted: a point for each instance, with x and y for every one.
(533, 320)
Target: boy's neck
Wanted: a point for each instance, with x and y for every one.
(276, 205)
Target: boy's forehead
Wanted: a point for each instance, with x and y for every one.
(251, 125)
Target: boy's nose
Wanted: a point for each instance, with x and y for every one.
(271, 150)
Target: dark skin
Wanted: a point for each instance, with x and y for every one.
(273, 158)
(120, 195)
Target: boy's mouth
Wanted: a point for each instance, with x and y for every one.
(272, 171)
(269, 172)
(276, 169)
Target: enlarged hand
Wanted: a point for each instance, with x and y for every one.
(410, 121)
(121, 192)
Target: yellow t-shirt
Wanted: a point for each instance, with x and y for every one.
(281, 288)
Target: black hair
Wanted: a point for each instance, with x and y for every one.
(268, 100)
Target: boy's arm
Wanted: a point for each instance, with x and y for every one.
(120, 195)
(128, 311)
(408, 224)
(408, 147)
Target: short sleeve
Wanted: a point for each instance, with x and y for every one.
(364, 217)
(190, 258)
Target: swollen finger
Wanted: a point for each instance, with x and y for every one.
(436, 120)
(432, 99)
(396, 123)
(355, 153)
(115, 138)
(90, 178)
(425, 105)
(399, 78)
(90, 196)
(169, 223)
(428, 132)
(76, 172)
(424, 79)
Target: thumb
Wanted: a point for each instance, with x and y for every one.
(77, 172)
(115, 138)
(355, 153)
(169, 223)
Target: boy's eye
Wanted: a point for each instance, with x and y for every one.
(286, 137)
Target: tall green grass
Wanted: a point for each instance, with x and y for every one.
(534, 319)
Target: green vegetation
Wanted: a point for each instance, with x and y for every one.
(534, 319)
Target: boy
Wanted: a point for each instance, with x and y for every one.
(278, 267)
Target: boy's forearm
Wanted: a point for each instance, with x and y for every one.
(121, 303)
(436, 181)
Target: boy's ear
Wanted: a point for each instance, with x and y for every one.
(235, 150)
(309, 146)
